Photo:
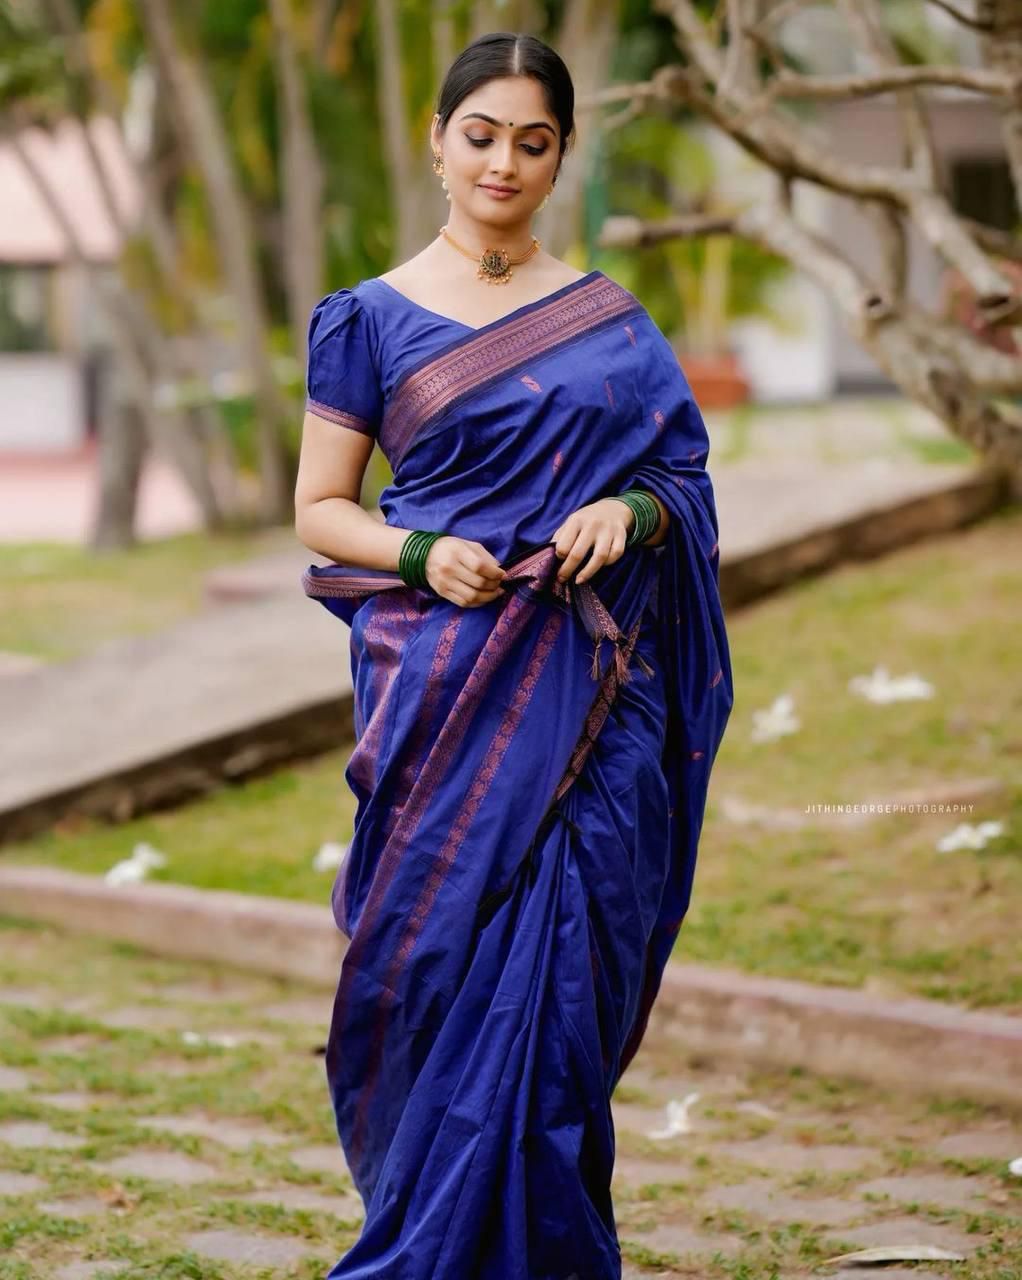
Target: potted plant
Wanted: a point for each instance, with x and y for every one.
(719, 279)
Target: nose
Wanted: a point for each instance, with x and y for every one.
(502, 159)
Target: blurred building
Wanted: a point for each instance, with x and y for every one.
(55, 351)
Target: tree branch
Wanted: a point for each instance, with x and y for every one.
(866, 24)
(781, 144)
(984, 21)
(828, 88)
(927, 372)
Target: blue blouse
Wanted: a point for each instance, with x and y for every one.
(351, 369)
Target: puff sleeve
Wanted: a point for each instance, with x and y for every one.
(342, 384)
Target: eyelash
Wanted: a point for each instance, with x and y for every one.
(482, 142)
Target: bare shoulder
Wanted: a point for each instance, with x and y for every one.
(560, 273)
(401, 274)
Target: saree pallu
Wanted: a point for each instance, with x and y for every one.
(530, 776)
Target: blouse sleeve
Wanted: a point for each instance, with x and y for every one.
(342, 384)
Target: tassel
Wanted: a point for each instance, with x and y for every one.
(624, 675)
(594, 669)
(644, 665)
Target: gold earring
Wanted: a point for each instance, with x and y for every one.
(546, 198)
(438, 167)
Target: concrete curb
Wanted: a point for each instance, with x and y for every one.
(283, 939)
(901, 1043)
(909, 1043)
(864, 536)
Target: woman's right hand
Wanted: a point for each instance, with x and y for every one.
(463, 571)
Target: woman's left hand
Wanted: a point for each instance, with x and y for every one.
(603, 527)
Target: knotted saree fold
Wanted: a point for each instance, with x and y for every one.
(530, 778)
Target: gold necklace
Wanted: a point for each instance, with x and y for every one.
(493, 265)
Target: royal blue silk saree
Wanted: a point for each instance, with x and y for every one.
(530, 774)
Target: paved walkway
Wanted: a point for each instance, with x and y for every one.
(161, 1120)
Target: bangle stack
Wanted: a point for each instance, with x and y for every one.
(411, 563)
(647, 515)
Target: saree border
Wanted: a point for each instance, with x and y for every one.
(340, 416)
(339, 581)
(466, 367)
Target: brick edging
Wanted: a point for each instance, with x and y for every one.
(901, 1043)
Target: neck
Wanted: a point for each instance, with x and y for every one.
(515, 238)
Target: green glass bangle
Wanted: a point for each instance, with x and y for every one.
(647, 515)
(421, 553)
(654, 514)
(628, 498)
(417, 548)
(411, 563)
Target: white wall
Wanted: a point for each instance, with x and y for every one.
(41, 402)
(789, 354)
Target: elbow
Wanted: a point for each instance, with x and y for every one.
(302, 523)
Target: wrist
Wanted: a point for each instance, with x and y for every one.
(646, 515)
(629, 512)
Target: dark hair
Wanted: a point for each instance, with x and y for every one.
(508, 53)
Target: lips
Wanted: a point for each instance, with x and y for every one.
(490, 187)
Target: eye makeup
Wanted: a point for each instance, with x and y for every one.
(482, 142)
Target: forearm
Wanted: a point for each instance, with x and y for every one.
(344, 532)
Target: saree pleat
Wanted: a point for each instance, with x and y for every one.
(530, 777)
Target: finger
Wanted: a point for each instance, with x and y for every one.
(474, 584)
(488, 575)
(473, 579)
(565, 536)
(601, 549)
(574, 557)
(485, 564)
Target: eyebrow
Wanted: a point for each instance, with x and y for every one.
(479, 115)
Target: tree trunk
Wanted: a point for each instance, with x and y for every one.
(301, 183)
(121, 453)
(196, 115)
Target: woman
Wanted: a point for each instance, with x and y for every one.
(541, 682)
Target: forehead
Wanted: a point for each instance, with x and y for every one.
(517, 98)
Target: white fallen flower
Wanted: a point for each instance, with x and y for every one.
(150, 857)
(144, 858)
(1015, 1167)
(224, 1041)
(328, 856)
(895, 1253)
(126, 872)
(967, 836)
(677, 1118)
(879, 686)
(778, 719)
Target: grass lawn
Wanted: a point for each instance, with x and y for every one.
(61, 601)
(874, 905)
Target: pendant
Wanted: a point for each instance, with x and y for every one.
(494, 267)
